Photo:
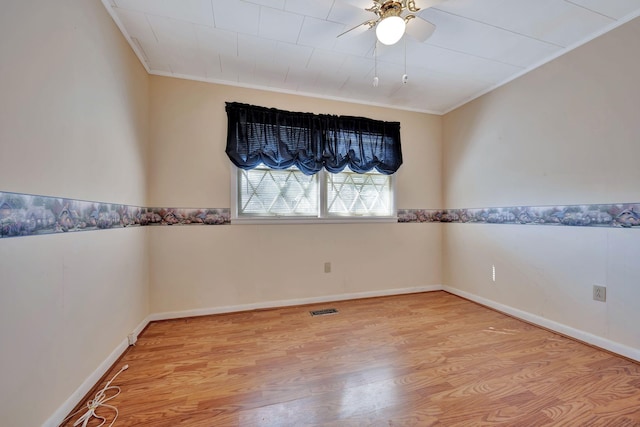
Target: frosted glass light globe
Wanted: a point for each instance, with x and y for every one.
(390, 30)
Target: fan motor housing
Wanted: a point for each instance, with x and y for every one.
(390, 8)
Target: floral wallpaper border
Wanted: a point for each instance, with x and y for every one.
(28, 215)
(626, 215)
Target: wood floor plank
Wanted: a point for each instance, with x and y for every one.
(430, 359)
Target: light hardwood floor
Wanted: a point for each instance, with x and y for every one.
(430, 359)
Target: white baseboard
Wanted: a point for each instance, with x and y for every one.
(88, 383)
(291, 302)
(603, 343)
(64, 410)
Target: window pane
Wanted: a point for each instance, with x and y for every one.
(350, 193)
(264, 191)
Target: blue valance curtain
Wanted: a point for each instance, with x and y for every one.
(281, 139)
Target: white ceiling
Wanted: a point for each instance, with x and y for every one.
(291, 45)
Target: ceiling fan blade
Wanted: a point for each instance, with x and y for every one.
(358, 29)
(420, 29)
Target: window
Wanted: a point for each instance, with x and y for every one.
(303, 165)
(268, 192)
(263, 192)
(359, 194)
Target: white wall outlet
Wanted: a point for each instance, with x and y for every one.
(493, 272)
(132, 338)
(600, 293)
(327, 267)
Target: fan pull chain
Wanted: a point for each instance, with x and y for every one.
(375, 65)
(405, 77)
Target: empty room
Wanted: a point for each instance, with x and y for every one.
(296, 213)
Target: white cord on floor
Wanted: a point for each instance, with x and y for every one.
(98, 401)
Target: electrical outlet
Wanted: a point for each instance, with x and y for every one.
(327, 267)
(600, 293)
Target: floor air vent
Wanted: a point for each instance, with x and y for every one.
(324, 312)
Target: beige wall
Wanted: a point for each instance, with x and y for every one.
(209, 267)
(566, 133)
(77, 110)
(73, 123)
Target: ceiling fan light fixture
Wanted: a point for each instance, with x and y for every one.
(391, 27)
(390, 30)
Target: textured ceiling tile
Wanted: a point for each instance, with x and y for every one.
(274, 4)
(357, 68)
(331, 82)
(288, 85)
(236, 16)
(173, 33)
(363, 87)
(435, 59)
(361, 44)
(256, 48)
(389, 73)
(616, 9)
(136, 24)
(215, 41)
(317, 8)
(470, 37)
(233, 68)
(325, 60)
(310, 85)
(154, 53)
(554, 21)
(292, 54)
(572, 25)
(319, 33)
(485, 70)
(188, 66)
(293, 45)
(440, 90)
(299, 75)
(348, 15)
(279, 25)
(212, 66)
(270, 74)
(194, 11)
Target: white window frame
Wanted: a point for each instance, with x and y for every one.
(322, 218)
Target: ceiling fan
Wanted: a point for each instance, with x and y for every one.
(393, 18)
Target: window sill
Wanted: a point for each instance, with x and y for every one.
(307, 220)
